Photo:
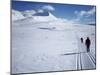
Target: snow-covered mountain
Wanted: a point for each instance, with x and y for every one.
(16, 15)
(45, 16)
(37, 16)
(43, 19)
(28, 13)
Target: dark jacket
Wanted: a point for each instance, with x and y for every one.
(87, 42)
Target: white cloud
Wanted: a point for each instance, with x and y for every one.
(48, 8)
(84, 14)
(40, 11)
(92, 11)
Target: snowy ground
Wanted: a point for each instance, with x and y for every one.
(39, 48)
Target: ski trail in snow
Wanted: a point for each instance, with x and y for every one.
(84, 60)
(79, 65)
(87, 62)
(92, 58)
(78, 62)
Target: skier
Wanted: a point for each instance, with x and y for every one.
(87, 43)
(81, 40)
(81, 45)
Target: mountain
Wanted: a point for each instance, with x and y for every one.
(28, 13)
(16, 15)
(32, 16)
(44, 17)
(40, 20)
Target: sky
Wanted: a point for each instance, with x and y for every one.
(84, 14)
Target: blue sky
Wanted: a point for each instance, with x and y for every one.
(79, 13)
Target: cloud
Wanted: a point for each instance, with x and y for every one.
(92, 11)
(40, 11)
(48, 8)
(85, 13)
(82, 15)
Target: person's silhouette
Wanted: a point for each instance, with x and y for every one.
(81, 40)
(87, 43)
